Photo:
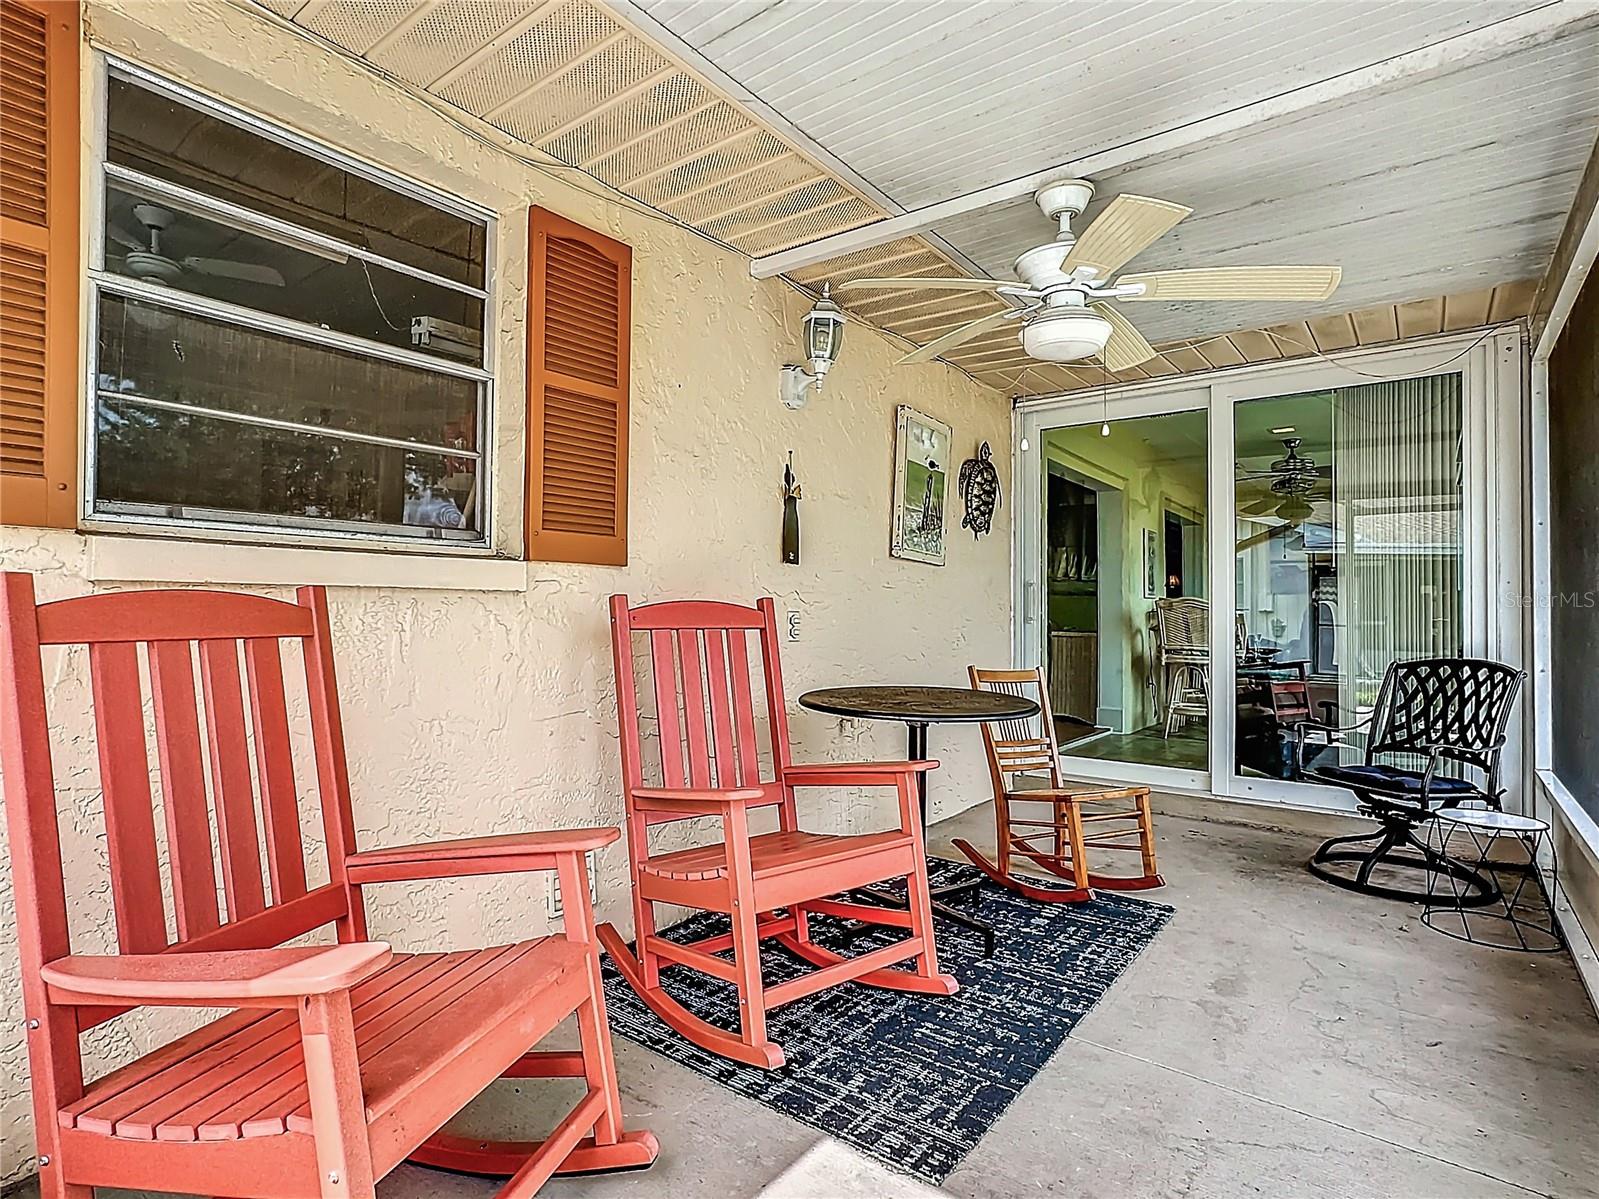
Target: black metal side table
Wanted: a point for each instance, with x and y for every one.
(916, 708)
(1523, 918)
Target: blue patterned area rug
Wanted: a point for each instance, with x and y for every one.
(912, 1080)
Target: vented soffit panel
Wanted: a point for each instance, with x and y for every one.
(571, 79)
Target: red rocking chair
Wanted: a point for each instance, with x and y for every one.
(340, 1061)
(768, 883)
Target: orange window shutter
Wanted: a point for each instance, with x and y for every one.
(579, 314)
(38, 263)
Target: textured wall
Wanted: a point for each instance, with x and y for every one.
(475, 712)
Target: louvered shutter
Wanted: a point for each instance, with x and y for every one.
(579, 312)
(38, 262)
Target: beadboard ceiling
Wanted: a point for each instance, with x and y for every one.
(773, 124)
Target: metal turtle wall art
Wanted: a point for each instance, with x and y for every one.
(979, 488)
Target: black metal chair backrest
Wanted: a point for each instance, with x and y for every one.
(1460, 704)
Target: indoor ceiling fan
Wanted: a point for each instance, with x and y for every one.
(144, 259)
(1296, 485)
(1065, 286)
(1294, 480)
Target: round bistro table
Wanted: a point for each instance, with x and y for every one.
(916, 708)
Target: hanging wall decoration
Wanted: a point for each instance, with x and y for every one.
(921, 481)
(791, 498)
(979, 488)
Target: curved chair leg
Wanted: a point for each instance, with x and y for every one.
(893, 980)
(765, 1054)
(1125, 882)
(1012, 883)
(467, 1155)
(1478, 889)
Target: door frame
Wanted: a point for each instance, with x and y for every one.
(1495, 570)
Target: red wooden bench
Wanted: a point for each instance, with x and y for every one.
(340, 1061)
(768, 883)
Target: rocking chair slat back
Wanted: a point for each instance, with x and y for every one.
(177, 733)
(1025, 745)
(663, 670)
(202, 777)
(136, 896)
(229, 745)
(274, 765)
(700, 672)
(693, 682)
(749, 762)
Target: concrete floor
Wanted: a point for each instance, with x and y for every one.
(1280, 1038)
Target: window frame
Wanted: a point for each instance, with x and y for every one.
(267, 528)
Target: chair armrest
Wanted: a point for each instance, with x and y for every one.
(503, 854)
(235, 978)
(854, 774)
(692, 801)
(1301, 727)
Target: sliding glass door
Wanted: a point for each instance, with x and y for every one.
(1200, 568)
(1121, 575)
(1349, 543)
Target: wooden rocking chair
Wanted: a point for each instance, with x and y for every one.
(340, 1061)
(1016, 747)
(768, 883)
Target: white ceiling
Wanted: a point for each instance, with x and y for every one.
(1430, 147)
(1444, 186)
(932, 98)
(1438, 184)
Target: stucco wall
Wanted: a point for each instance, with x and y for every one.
(473, 712)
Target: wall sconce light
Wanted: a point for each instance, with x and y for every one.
(824, 334)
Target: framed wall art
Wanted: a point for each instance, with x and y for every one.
(921, 485)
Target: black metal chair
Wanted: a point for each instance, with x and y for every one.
(1436, 709)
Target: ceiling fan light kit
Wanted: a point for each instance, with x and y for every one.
(1065, 290)
(1068, 335)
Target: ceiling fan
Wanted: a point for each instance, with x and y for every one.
(146, 261)
(1064, 289)
(1295, 479)
(1297, 483)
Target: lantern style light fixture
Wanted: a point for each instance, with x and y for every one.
(824, 334)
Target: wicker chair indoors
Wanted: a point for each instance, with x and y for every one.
(1431, 711)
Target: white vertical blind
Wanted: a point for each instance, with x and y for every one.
(1396, 490)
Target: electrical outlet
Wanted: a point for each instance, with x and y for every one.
(556, 910)
(793, 626)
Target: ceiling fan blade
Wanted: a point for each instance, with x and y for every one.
(1238, 283)
(1261, 507)
(935, 284)
(1127, 226)
(965, 333)
(246, 272)
(1126, 347)
(123, 237)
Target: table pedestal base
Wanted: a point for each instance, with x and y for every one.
(941, 910)
(917, 752)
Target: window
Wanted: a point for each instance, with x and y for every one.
(284, 338)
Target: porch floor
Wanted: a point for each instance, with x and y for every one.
(1280, 1037)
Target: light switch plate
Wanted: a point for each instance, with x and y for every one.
(556, 910)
